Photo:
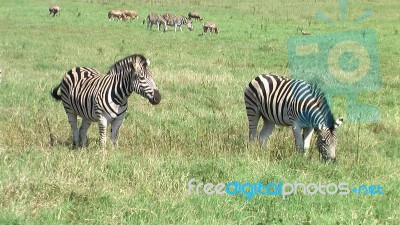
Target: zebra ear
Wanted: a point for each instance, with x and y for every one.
(148, 62)
(135, 65)
(339, 122)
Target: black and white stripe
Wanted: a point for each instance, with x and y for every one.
(295, 103)
(178, 21)
(104, 98)
(155, 19)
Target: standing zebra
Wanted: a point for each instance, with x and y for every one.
(289, 102)
(178, 21)
(152, 19)
(104, 98)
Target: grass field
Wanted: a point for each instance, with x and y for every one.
(199, 130)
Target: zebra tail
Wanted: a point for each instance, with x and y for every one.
(54, 92)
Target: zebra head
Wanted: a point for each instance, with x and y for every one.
(327, 140)
(143, 81)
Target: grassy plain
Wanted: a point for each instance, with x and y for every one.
(200, 128)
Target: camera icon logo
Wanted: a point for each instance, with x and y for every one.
(342, 63)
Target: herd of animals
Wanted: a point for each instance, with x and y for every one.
(103, 98)
(163, 21)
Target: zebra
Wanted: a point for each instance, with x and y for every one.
(85, 92)
(178, 21)
(289, 102)
(152, 19)
(167, 16)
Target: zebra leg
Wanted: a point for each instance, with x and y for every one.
(103, 131)
(115, 125)
(72, 119)
(83, 131)
(298, 137)
(253, 117)
(265, 131)
(307, 134)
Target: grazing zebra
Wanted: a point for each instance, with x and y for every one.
(104, 98)
(210, 26)
(55, 9)
(178, 21)
(195, 16)
(152, 19)
(289, 102)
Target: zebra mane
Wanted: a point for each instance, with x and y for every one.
(319, 94)
(120, 64)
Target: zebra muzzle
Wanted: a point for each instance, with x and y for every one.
(156, 98)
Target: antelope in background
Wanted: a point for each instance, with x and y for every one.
(130, 14)
(304, 33)
(210, 26)
(112, 14)
(195, 16)
(55, 9)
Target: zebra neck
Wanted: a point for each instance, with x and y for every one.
(120, 90)
(316, 117)
(132, 85)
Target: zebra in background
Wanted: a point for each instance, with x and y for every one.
(178, 21)
(167, 16)
(289, 102)
(104, 98)
(152, 19)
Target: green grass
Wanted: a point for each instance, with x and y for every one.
(199, 130)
